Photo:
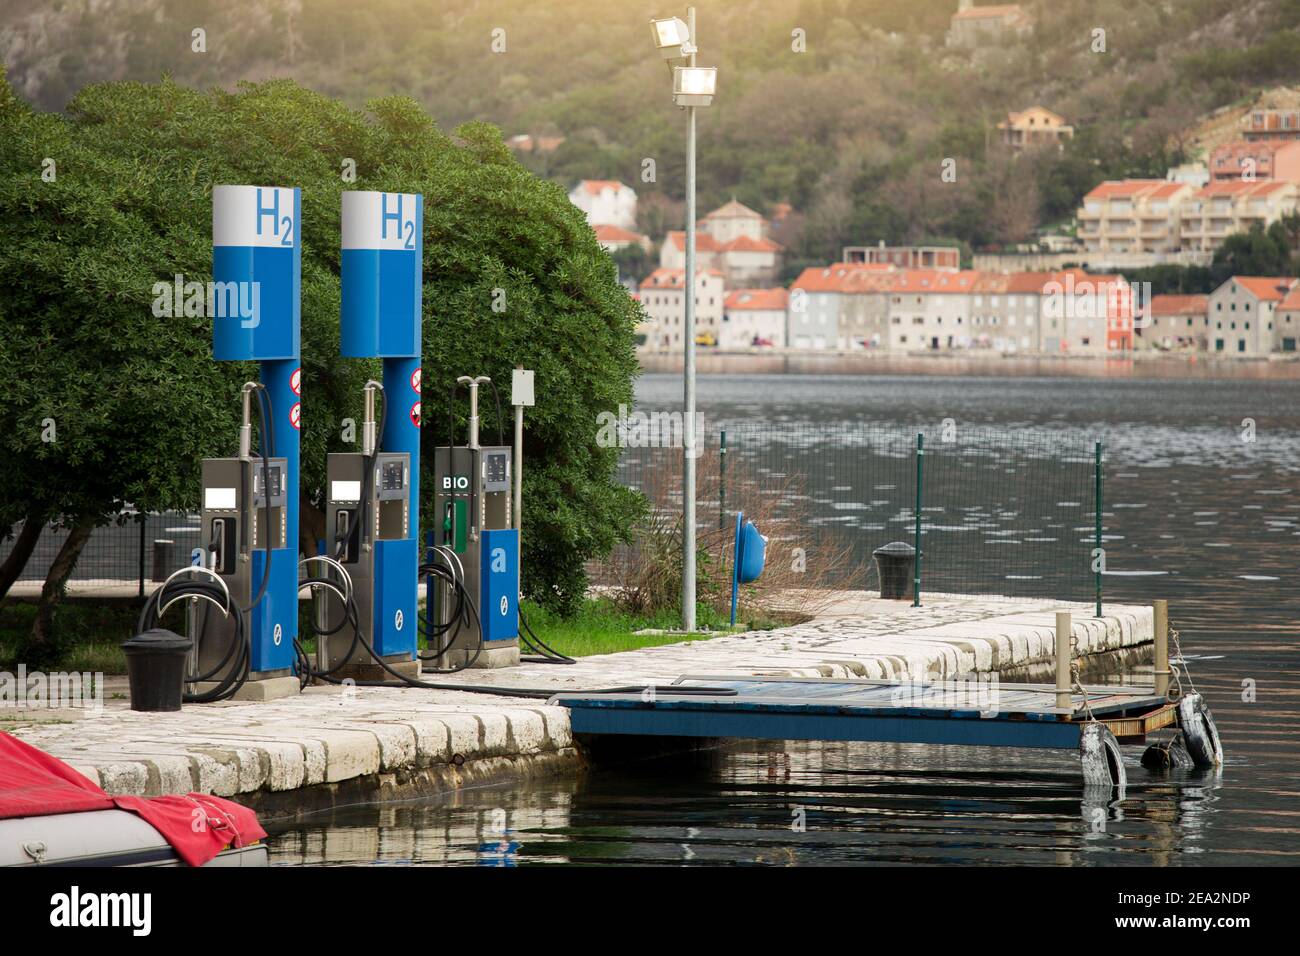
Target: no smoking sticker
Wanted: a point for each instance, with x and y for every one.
(295, 414)
(295, 381)
(415, 414)
(415, 380)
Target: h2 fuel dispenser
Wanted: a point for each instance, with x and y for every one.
(245, 645)
(474, 533)
(372, 496)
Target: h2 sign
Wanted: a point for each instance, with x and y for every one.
(382, 274)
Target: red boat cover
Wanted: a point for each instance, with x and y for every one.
(198, 826)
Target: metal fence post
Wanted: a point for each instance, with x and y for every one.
(722, 481)
(916, 564)
(1099, 554)
(140, 519)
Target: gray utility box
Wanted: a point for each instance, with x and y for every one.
(472, 494)
(234, 529)
(357, 536)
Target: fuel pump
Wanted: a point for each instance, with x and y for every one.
(474, 529)
(243, 597)
(371, 527)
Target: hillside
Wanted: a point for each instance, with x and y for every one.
(852, 132)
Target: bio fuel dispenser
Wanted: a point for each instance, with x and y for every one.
(250, 502)
(372, 496)
(474, 528)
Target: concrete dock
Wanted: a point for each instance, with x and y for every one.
(334, 745)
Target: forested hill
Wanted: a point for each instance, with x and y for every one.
(851, 132)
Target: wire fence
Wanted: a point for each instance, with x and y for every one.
(131, 551)
(996, 512)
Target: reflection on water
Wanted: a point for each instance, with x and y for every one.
(1195, 514)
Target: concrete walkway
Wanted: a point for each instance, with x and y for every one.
(332, 744)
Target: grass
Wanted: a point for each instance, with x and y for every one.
(90, 634)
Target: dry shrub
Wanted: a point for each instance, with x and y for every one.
(804, 562)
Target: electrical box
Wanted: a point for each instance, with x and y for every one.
(235, 533)
(369, 531)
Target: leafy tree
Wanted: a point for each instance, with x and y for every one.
(136, 398)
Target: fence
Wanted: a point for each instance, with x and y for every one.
(996, 512)
(134, 549)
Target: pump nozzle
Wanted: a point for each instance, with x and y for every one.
(246, 427)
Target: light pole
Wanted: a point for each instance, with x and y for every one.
(692, 86)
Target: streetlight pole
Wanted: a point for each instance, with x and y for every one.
(688, 369)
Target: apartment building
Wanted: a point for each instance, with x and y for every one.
(1134, 215)
(815, 304)
(1271, 124)
(1212, 214)
(663, 298)
(754, 317)
(1286, 322)
(1085, 314)
(1242, 314)
(905, 257)
(1254, 160)
(973, 26)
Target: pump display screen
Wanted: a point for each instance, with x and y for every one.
(494, 469)
(393, 476)
(274, 480)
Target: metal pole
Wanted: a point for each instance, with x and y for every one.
(1161, 663)
(722, 480)
(1097, 537)
(916, 534)
(140, 517)
(1063, 626)
(517, 510)
(688, 372)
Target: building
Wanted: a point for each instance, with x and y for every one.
(733, 239)
(1084, 314)
(614, 238)
(527, 143)
(906, 257)
(816, 306)
(1286, 322)
(1254, 160)
(1193, 174)
(933, 309)
(1035, 127)
(1133, 215)
(973, 26)
(606, 202)
(1173, 323)
(664, 302)
(1242, 314)
(1212, 214)
(1262, 124)
(754, 317)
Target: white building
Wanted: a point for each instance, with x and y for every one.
(663, 299)
(754, 317)
(1241, 318)
(606, 202)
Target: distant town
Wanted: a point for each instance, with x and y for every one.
(1077, 289)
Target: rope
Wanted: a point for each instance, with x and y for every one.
(1176, 662)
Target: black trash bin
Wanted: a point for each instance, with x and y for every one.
(894, 561)
(155, 669)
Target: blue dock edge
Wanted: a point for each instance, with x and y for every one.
(820, 709)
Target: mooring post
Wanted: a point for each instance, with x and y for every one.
(722, 480)
(1099, 555)
(1063, 625)
(1162, 674)
(916, 535)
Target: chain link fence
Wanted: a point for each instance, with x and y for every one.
(994, 512)
(131, 551)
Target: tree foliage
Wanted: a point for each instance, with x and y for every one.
(136, 398)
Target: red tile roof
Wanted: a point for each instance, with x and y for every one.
(703, 241)
(748, 244)
(1179, 304)
(839, 276)
(673, 278)
(1117, 188)
(734, 210)
(1237, 187)
(1268, 288)
(595, 186)
(1292, 301)
(767, 299)
(608, 233)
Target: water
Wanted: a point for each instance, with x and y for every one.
(1197, 515)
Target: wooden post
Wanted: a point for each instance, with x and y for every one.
(1161, 663)
(1063, 626)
